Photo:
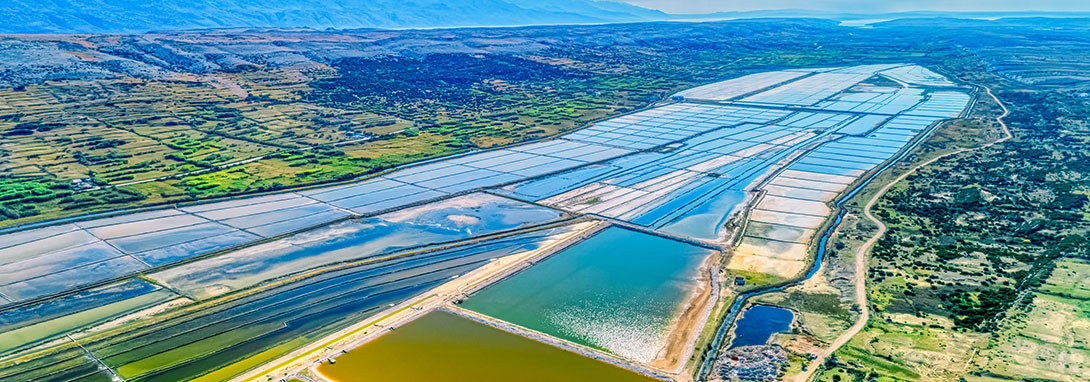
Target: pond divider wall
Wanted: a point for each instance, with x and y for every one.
(582, 350)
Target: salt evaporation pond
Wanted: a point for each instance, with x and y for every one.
(442, 346)
(759, 323)
(449, 220)
(706, 221)
(616, 291)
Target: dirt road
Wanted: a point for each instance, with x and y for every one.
(861, 254)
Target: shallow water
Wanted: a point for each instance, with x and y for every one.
(442, 346)
(295, 313)
(617, 291)
(72, 304)
(453, 219)
(759, 322)
(706, 220)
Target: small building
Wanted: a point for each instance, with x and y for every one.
(739, 281)
(82, 183)
(356, 135)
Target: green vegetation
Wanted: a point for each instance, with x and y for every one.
(111, 134)
(971, 240)
(20, 198)
(755, 279)
(1048, 338)
(24, 197)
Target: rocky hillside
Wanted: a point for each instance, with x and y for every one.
(115, 16)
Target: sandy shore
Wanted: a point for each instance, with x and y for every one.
(686, 327)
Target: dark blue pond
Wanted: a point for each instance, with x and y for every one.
(759, 322)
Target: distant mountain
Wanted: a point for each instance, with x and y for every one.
(127, 16)
(956, 16)
(116, 16)
(1075, 21)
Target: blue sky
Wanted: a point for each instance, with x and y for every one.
(705, 6)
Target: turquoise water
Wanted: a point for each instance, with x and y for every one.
(617, 291)
(759, 322)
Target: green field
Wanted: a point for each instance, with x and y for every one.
(1052, 339)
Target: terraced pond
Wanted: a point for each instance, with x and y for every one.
(442, 346)
(617, 291)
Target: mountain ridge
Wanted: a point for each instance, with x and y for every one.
(140, 16)
(134, 16)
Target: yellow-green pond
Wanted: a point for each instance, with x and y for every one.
(442, 346)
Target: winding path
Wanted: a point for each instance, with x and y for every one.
(861, 254)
